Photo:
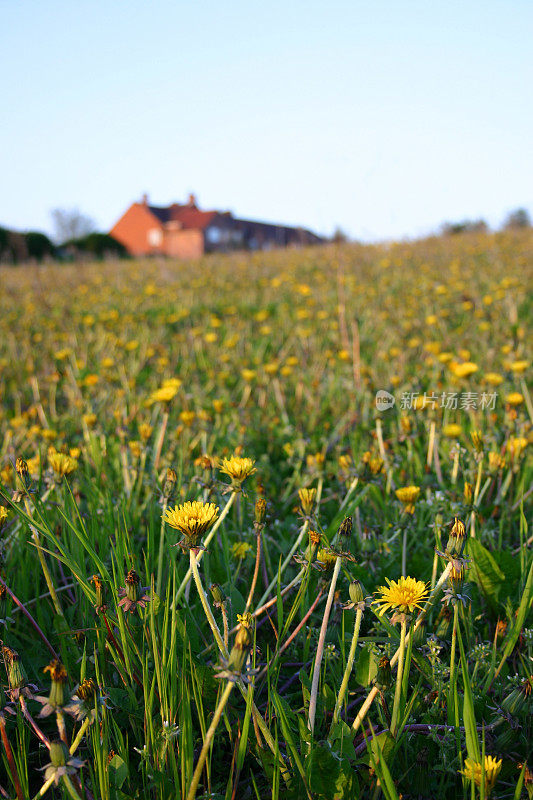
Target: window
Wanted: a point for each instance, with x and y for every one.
(155, 237)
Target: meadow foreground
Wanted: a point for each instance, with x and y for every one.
(264, 525)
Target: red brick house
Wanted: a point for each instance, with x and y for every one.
(184, 231)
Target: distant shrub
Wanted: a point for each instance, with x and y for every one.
(39, 245)
(13, 247)
(517, 219)
(95, 245)
(466, 226)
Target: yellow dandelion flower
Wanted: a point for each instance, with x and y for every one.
(496, 461)
(238, 468)
(403, 595)
(192, 518)
(246, 620)
(145, 431)
(452, 430)
(514, 399)
(519, 366)
(463, 370)
(493, 378)
(248, 375)
(135, 448)
(516, 445)
(327, 558)
(3, 516)
(62, 464)
(187, 417)
(163, 395)
(473, 771)
(408, 495)
(240, 549)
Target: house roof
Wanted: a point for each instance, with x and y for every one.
(189, 216)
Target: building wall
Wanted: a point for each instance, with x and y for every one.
(184, 243)
(139, 231)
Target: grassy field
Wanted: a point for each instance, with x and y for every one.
(359, 624)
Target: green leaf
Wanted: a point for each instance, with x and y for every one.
(322, 769)
(366, 667)
(118, 772)
(514, 633)
(485, 570)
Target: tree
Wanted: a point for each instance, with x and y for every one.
(39, 245)
(339, 236)
(95, 245)
(517, 219)
(70, 223)
(466, 226)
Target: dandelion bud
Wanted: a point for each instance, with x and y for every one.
(419, 635)
(457, 538)
(307, 500)
(384, 674)
(3, 516)
(132, 582)
(58, 676)
(518, 697)
(260, 510)
(457, 575)
(477, 441)
(346, 527)
(87, 690)
(22, 471)
(357, 592)
(444, 621)
(217, 594)
(468, 493)
(16, 674)
(169, 487)
(21, 467)
(99, 588)
(239, 651)
(59, 753)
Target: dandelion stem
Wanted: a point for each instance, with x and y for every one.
(79, 736)
(225, 624)
(70, 788)
(452, 650)
(399, 676)
(294, 548)
(44, 567)
(320, 645)
(349, 665)
(374, 692)
(29, 617)
(208, 739)
(160, 439)
(10, 759)
(476, 495)
(256, 570)
(44, 788)
(38, 731)
(161, 548)
(207, 539)
(404, 551)
(205, 604)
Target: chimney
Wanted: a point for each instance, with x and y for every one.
(192, 201)
(144, 199)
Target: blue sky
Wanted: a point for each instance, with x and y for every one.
(385, 118)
